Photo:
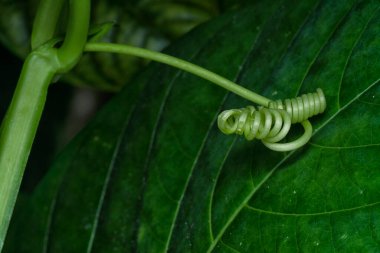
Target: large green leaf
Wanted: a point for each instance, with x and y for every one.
(153, 174)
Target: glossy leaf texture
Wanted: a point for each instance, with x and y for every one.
(152, 173)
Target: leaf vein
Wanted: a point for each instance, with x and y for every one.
(344, 147)
(345, 210)
(229, 247)
(193, 166)
(107, 180)
(350, 54)
(325, 43)
(52, 208)
(271, 172)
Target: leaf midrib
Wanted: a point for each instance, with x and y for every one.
(270, 173)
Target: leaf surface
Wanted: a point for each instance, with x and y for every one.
(152, 173)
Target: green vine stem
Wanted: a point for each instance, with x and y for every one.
(21, 121)
(19, 128)
(180, 64)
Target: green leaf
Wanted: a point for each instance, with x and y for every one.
(152, 173)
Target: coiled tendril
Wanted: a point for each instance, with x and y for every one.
(272, 124)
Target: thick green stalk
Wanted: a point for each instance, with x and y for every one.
(19, 128)
(21, 121)
(180, 64)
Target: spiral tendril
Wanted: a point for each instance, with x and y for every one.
(271, 124)
(303, 107)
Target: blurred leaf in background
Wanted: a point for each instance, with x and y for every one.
(151, 24)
